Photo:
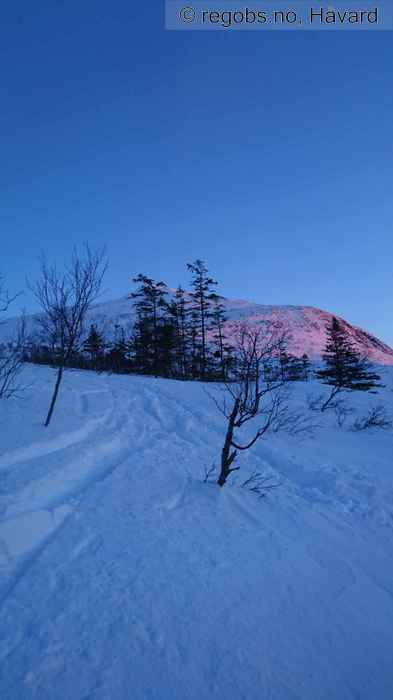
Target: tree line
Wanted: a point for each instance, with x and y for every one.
(178, 335)
(182, 335)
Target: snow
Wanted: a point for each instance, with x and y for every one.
(123, 575)
(306, 326)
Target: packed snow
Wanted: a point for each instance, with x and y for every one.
(124, 575)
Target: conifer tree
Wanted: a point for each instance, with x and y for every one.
(178, 312)
(218, 319)
(118, 358)
(305, 367)
(94, 346)
(284, 365)
(291, 367)
(344, 368)
(193, 336)
(150, 306)
(202, 297)
(167, 346)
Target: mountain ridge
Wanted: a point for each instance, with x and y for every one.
(306, 325)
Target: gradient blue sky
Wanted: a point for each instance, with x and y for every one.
(269, 155)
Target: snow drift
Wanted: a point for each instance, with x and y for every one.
(124, 576)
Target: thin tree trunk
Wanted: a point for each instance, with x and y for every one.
(227, 457)
(203, 342)
(54, 397)
(332, 395)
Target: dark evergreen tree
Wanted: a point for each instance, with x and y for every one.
(167, 344)
(344, 368)
(202, 297)
(194, 340)
(217, 323)
(291, 368)
(151, 309)
(94, 346)
(179, 314)
(119, 357)
(306, 368)
(284, 360)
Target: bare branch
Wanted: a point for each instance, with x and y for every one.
(255, 389)
(65, 299)
(209, 472)
(375, 418)
(11, 353)
(260, 484)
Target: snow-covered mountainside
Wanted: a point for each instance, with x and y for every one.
(306, 326)
(123, 575)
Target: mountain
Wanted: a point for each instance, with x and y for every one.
(306, 326)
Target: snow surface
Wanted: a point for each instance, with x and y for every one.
(305, 325)
(123, 575)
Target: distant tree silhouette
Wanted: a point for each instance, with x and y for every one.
(11, 353)
(150, 307)
(217, 328)
(94, 346)
(344, 368)
(202, 297)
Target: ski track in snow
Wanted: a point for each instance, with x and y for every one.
(124, 576)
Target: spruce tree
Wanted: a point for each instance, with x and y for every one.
(305, 367)
(178, 312)
(118, 359)
(284, 360)
(150, 306)
(202, 297)
(94, 346)
(292, 368)
(218, 320)
(344, 368)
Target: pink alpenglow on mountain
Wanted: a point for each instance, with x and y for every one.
(305, 325)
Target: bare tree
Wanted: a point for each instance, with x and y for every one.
(255, 392)
(65, 298)
(11, 353)
(5, 299)
(375, 418)
(260, 484)
(341, 410)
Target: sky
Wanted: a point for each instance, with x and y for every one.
(266, 154)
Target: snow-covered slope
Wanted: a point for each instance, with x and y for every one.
(124, 576)
(306, 326)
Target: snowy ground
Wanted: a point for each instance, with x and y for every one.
(123, 576)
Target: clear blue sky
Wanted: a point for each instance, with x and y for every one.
(269, 155)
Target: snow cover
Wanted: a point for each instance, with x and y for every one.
(124, 576)
(306, 326)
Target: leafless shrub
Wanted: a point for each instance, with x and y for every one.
(260, 484)
(5, 298)
(291, 421)
(375, 418)
(65, 299)
(315, 402)
(341, 410)
(11, 353)
(210, 474)
(254, 393)
(11, 364)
